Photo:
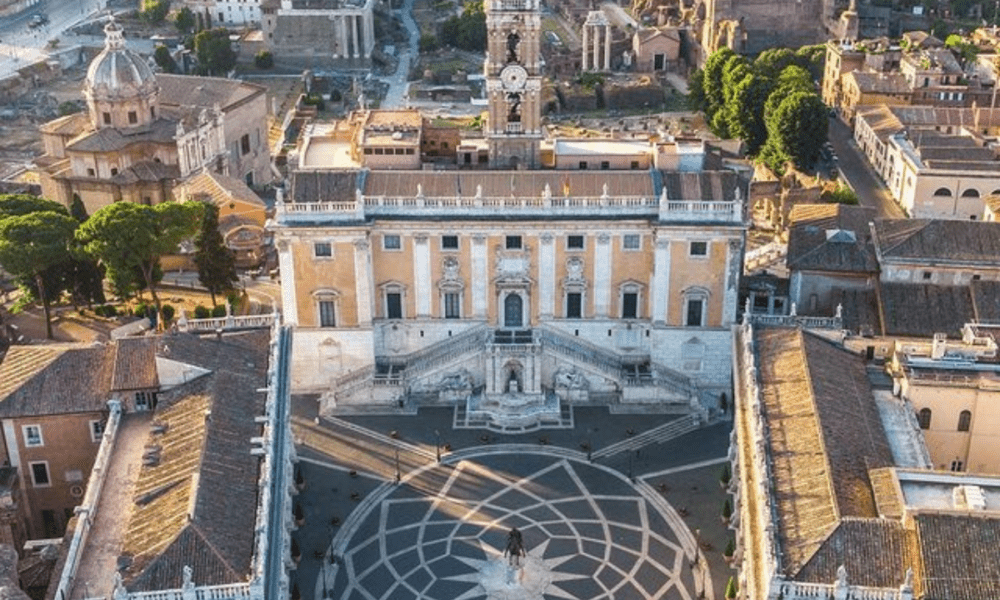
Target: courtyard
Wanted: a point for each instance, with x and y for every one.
(404, 506)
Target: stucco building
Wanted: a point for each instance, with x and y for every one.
(143, 133)
(608, 277)
(342, 30)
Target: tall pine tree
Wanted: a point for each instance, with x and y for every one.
(216, 262)
(84, 277)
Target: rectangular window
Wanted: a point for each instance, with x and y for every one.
(574, 305)
(449, 242)
(106, 117)
(583, 165)
(391, 242)
(513, 242)
(322, 249)
(394, 305)
(632, 241)
(695, 308)
(699, 248)
(452, 305)
(634, 164)
(368, 150)
(327, 315)
(96, 431)
(40, 473)
(32, 436)
(605, 165)
(90, 172)
(133, 118)
(574, 242)
(245, 143)
(927, 275)
(630, 305)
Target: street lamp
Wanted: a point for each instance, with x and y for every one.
(437, 444)
(397, 465)
(631, 476)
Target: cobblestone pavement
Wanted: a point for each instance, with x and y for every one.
(591, 530)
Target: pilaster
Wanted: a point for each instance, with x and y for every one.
(422, 275)
(546, 276)
(363, 281)
(661, 280)
(286, 265)
(480, 276)
(602, 276)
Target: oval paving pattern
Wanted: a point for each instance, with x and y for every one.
(587, 531)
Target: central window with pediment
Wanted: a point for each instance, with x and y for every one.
(513, 311)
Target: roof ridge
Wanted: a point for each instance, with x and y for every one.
(193, 525)
(912, 227)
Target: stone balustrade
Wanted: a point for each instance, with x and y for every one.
(542, 205)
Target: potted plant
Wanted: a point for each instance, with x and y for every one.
(725, 477)
(727, 512)
(729, 551)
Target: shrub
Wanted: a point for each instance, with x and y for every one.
(219, 311)
(726, 475)
(263, 60)
(730, 548)
(731, 588)
(200, 312)
(167, 313)
(727, 509)
(154, 11)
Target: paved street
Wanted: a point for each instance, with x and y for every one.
(601, 529)
(398, 82)
(854, 167)
(21, 45)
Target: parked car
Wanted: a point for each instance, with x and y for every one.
(38, 21)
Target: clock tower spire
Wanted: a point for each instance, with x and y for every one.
(513, 83)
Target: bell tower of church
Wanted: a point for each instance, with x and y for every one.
(513, 83)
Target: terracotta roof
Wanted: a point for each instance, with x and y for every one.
(647, 34)
(55, 379)
(110, 139)
(825, 434)
(324, 186)
(72, 124)
(192, 508)
(831, 237)
(927, 240)
(135, 364)
(859, 308)
(959, 557)
(148, 171)
(924, 309)
(393, 119)
(879, 83)
(206, 92)
(882, 121)
(221, 189)
(874, 552)
(701, 185)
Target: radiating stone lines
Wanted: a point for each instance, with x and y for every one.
(589, 534)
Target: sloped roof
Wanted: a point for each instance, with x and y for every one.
(879, 83)
(986, 301)
(701, 185)
(959, 559)
(204, 92)
(324, 186)
(810, 247)
(147, 170)
(193, 507)
(135, 364)
(922, 310)
(110, 139)
(55, 379)
(648, 34)
(924, 240)
(874, 552)
(825, 434)
(221, 189)
(73, 124)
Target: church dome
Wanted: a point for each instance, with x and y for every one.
(117, 72)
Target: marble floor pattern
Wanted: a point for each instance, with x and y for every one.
(588, 531)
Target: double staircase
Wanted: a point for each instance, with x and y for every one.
(393, 379)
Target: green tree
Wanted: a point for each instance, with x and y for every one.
(214, 52)
(22, 204)
(792, 79)
(126, 236)
(215, 261)
(841, 195)
(771, 62)
(747, 115)
(966, 51)
(696, 90)
(184, 20)
(715, 95)
(797, 130)
(163, 59)
(734, 71)
(467, 31)
(83, 276)
(33, 242)
(428, 42)
(263, 60)
(154, 11)
(812, 58)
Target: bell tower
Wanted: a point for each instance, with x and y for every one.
(513, 83)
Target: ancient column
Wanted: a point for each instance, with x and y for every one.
(597, 48)
(607, 47)
(583, 65)
(354, 35)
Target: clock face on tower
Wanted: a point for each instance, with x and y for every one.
(513, 77)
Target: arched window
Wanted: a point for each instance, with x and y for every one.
(924, 418)
(970, 193)
(964, 420)
(942, 192)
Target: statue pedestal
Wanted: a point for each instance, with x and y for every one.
(504, 582)
(514, 410)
